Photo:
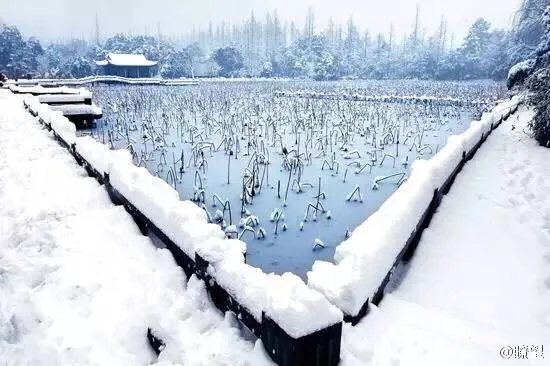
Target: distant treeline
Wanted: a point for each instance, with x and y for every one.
(268, 48)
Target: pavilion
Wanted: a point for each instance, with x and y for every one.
(127, 65)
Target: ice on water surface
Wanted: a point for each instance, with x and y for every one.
(290, 175)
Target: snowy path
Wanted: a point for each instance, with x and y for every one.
(480, 279)
(78, 284)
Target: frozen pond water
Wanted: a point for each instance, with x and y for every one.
(265, 153)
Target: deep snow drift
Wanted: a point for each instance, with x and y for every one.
(480, 279)
(78, 283)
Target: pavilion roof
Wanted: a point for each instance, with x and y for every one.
(124, 59)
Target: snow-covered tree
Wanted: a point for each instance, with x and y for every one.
(18, 57)
(528, 28)
(534, 73)
(230, 61)
(79, 67)
(475, 48)
(182, 63)
(151, 47)
(271, 47)
(539, 84)
(10, 42)
(311, 57)
(70, 59)
(195, 55)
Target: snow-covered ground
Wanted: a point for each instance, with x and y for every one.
(480, 279)
(79, 285)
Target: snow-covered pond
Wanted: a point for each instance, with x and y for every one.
(293, 174)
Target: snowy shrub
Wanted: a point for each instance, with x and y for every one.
(533, 73)
(540, 85)
(519, 72)
(538, 82)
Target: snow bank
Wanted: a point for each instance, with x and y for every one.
(368, 255)
(183, 215)
(396, 218)
(31, 103)
(448, 158)
(151, 195)
(504, 109)
(472, 135)
(487, 122)
(54, 116)
(183, 222)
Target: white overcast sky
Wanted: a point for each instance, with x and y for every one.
(55, 19)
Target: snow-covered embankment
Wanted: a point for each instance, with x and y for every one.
(364, 261)
(479, 282)
(285, 299)
(78, 283)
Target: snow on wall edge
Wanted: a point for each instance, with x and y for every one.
(364, 259)
(298, 309)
